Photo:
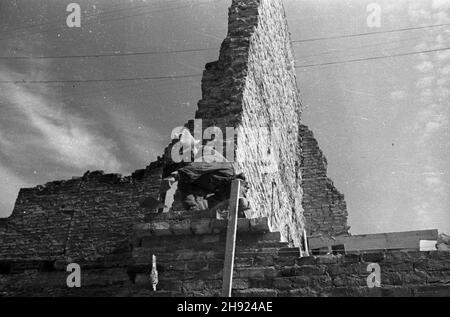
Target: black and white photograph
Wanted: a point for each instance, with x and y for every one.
(243, 150)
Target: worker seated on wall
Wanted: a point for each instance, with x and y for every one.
(204, 181)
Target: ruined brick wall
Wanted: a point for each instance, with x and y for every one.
(282, 273)
(83, 219)
(253, 87)
(263, 267)
(271, 101)
(324, 206)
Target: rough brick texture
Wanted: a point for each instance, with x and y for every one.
(252, 87)
(192, 265)
(96, 220)
(83, 219)
(324, 206)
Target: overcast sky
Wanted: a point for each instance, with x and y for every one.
(382, 123)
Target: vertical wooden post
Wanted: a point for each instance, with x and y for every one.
(305, 239)
(231, 239)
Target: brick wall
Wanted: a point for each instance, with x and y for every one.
(402, 274)
(84, 218)
(252, 87)
(324, 206)
(191, 264)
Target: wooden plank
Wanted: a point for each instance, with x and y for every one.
(320, 242)
(230, 247)
(306, 246)
(409, 240)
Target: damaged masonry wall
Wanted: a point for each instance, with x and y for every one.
(85, 219)
(253, 87)
(325, 208)
(89, 220)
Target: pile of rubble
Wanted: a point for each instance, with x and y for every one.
(443, 243)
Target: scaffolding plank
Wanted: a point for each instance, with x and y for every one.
(408, 240)
(230, 247)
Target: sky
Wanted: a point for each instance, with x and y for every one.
(382, 123)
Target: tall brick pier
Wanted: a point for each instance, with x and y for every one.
(96, 221)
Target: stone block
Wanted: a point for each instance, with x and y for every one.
(255, 292)
(416, 277)
(328, 259)
(210, 239)
(282, 283)
(170, 285)
(309, 270)
(434, 277)
(259, 224)
(184, 255)
(142, 279)
(433, 291)
(264, 260)
(306, 260)
(250, 273)
(243, 261)
(260, 283)
(243, 225)
(391, 278)
(271, 236)
(373, 257)
(160, 228)
(194, 285)
(182, 227)
(289, 252)
(351, 258)
(432, 265)
(201, 226)
(219, 225)
(197, 265)
(240, 284)
(143, 230)
(174, 266)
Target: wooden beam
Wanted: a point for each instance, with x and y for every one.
(305, 245)
(230, 247)
(409, 240)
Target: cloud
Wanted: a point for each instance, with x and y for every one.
(425, 82)
(426, 93)
(442, 81)
(433, 126)
(429, 121)
(424, 212)
(53, 131)
(444, 55)
(442, 92)
(425, 66)
(391, 6)
(432, 181)
(430, 125)
(435, 184)
(398, 95)
(9, 188)
(422, 46)
(441, 17)
(445, 70)
(416, 12)
(440, 5)
(5, 144)
(143, 143)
